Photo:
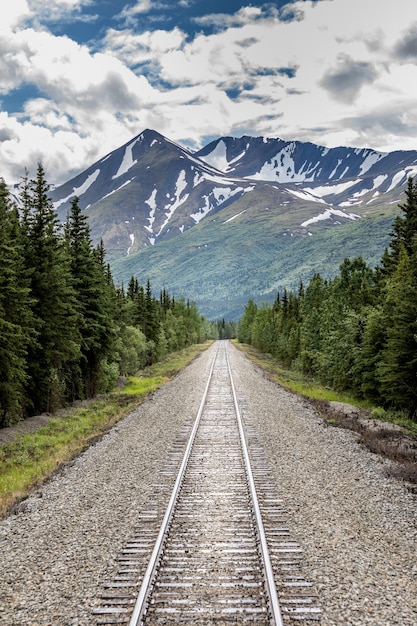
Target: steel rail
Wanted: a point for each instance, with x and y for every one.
(140, 605)
(270, 582)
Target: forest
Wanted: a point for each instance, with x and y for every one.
(67, 331)
(356, 332)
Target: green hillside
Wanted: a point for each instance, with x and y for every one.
(221, 264)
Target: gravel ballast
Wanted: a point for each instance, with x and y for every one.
(357, 527)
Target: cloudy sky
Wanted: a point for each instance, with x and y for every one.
(79, 78)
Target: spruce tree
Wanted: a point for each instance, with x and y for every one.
(244, 331)
(16, 320)
(397, 366)
(56, 311)
(403, 232)
(91, 284)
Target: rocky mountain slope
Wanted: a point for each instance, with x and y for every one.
(240, 218)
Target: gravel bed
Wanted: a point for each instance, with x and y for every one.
(357, 527)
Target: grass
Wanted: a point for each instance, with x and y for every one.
(395, 417)
(31, 459)
(138, 386)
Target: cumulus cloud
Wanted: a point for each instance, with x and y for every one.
(142, 6)
(406, 47)
(345, 81)
(222, 21)
(56, 9)
(388, 121)
(12, 13)
(130, 14)
(135, 49)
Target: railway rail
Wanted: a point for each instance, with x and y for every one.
(220, 551)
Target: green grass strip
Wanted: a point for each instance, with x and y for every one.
(30, 459)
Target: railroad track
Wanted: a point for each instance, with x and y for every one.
(222, 553)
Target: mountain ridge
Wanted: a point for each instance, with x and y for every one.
(246, 193)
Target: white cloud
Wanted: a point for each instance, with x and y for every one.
(333, 72)
(54, 10)
(245, 15)
(134, 49)
(12, 13)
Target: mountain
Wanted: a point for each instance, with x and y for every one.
(148, 190)
(343, 177)
(241, 217)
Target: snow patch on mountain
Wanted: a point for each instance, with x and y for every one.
(127, 161)
(305, 195)
(333, 173)
(218, 178)
(217, 197)
(217, 158)
(234, 217)
(221, 194)
(328, 214)
(237, 158)
(370, 160)
(400, 176)
(132, 241)
(180, 186)
(79, 191)
(329, 190)
(378, 181)
(151, 202)
(280, 168)
(117, 188)
(202, 211)
(198, 178)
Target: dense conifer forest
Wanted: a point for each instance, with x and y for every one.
(356, 332)
(66, 330)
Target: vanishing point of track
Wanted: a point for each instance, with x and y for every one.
(222, 553)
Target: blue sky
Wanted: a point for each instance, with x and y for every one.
(79, 78)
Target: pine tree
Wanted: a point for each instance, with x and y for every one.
(244, 331)
(91, 284)
(404, 231)
(397, 366)
(16, 320)
(56, 310)
(312, 331)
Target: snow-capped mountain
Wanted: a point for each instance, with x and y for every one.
(152, 188)
(148, 189)
(342, 176)
(154, 202)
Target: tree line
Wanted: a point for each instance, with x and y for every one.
(356, 332)
(67, 331)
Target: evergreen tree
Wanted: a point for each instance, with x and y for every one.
(312, 331)
(16, 320)
(91, 284)
(397, 366)
(404, 231)
(56, 310)
(244, 332)
(355, 286)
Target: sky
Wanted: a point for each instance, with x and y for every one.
(79, 78)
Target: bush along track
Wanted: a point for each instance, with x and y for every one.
(28, 458)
